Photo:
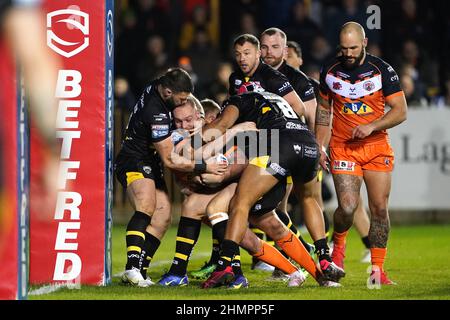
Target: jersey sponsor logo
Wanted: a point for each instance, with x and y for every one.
(309, 92)
(74, 41)
(257, 207)
(147, 169)
(342, 74)
(368, 85)
(365, 74)
(310, 152)
(284, 87)
(178, 135)
(343, 165)
(356, 108)
(109, 32)
(294, 126)
(252, 86)
(394, 78)
(353, 90)
(237, 82)
(278, 169)
(160, 130)
(337, 86)
(297, 149)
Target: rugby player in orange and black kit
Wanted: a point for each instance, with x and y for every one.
(357, 86)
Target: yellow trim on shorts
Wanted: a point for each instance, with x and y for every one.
(215, 241)
(134, 248)
(186, 240)
(181, 256)
(237, 257)
(289, 180)
(265, 109)
(256, 230)
(320, 175)
(260, 161)
(225, 258)
(136, 233)
(133, 176)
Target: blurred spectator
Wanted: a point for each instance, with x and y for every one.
(301, 27)
(154, 63)
(153, 19)
(425, 70)
(218, 90)
(321, 51)
(294, 56)
(201, 19)
(374, 49)
(127, 47)
(204, 58)
(447, 92)
(412, 97)
(124, 98)
(184, 62)
(335, 17)
(248, 24)
(312, 71)
(276, 13)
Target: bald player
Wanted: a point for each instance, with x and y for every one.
(359, 86)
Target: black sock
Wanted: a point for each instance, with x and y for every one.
(236, 264)
(151, 244)
(135, 238)
(187, 236)
(218, 231)
(322, 249)
(229, 250)
(215, 251)
(366, 241)
(284, 217)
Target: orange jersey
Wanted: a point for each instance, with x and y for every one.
(358, 96)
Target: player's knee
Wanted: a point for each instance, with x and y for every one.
(147, 207)
(348, 208)
(380, 211)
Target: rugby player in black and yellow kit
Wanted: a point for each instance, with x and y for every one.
(291, 151)
(147, 146)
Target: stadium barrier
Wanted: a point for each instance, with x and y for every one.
(74, 246)
(14, 184)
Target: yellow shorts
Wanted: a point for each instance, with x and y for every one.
(354, 159)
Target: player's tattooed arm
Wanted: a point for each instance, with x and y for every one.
(323, 115)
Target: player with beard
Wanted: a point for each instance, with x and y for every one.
(358, 86)
(273, 52)
(254, 75)
(148, 145)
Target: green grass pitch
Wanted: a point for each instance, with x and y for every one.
(418, 260)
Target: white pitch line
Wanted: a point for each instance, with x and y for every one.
(55, 287)
(198, 256)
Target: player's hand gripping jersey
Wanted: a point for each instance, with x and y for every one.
(358, 97)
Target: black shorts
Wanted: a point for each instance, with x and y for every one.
(290, 156)
(270, 200)
(129, 169)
